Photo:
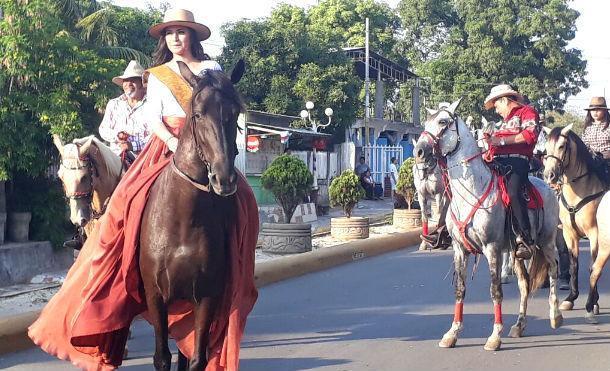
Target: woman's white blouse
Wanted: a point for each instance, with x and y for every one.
(160, 100)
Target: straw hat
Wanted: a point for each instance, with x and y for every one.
(597, 103)
(180, 17)
(133, 70)
(499, 91)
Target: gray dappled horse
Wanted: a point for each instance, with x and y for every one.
(477, 222)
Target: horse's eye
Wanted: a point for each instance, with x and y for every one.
(443, 122)
(197, 115)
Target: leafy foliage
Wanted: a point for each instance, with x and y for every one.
(465, 47)
(406, 183)
(345, 191)
(289, 179)
(296, 55)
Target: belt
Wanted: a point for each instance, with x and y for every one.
(514, 156)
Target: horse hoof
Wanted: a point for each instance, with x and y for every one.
(590, 318)
(596, 309)
(493, 343)
(423, 246)
(566, 305)
(505, 279)
(515, 332)
(557, 322)
(448, 342)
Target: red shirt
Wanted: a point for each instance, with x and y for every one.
(521, 120)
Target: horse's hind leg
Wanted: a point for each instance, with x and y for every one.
(460, 261)
(550, 255)
(596, 271)
(593, 294)
(523, 281)
(158, 317)
(572, 242)
(493, 255)
(204, 311)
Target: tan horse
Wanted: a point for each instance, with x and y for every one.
(90, 172)
(569, 163)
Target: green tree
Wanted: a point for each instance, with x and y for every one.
(296, 55)
(465, 47)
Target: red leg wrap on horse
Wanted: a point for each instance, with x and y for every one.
(498, 314)
(458, 315)
(425, 228)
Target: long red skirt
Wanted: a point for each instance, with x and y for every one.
(87, 321)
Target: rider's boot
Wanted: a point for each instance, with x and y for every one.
(76, 242)
(525, 245)
(439, 238)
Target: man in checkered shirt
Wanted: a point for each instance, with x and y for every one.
(125, 125)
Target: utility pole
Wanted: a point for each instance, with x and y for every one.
(367, 83)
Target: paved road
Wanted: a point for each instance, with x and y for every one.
(388, 313)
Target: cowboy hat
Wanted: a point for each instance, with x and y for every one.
(133, 70)
(180, 17)
(597, 103)
(499, 91)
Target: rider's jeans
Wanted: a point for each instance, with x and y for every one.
(518, 169)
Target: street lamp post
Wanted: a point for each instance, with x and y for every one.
(315, 125)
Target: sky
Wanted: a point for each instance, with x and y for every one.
(592, 35)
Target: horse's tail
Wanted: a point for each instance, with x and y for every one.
(539, 270)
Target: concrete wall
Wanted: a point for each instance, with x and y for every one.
(19, 262)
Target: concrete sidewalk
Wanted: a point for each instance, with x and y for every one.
(26, 297)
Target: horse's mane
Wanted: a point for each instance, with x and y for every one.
(113, 162)
(582, 152)
(218, 81)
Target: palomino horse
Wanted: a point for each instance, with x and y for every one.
(90, 172)
(477, 222)
(583, 183)
(189, 213)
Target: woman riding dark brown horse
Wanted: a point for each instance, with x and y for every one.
(87, 321)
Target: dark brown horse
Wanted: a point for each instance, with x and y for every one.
(186, 223)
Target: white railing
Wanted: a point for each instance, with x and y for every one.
(378, 158)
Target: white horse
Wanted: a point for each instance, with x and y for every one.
(428, 182)
(477, 222)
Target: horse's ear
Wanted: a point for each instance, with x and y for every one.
(58, 143)
(84, 147)
(431, 111)
(484, 121)
(547, 130)
(566, 130)
(188, 75)
(454, 106)
(238, 71)
(414, 142)
(469, 121)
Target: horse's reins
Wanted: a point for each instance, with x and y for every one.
(183, 175)
(572, 210)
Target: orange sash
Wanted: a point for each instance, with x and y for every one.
(180, 89)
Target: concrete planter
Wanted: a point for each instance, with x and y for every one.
(2, 227)
(407, 218)
(18, 226)
(353, 228)
(279, 238)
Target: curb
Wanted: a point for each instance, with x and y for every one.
(13, 329)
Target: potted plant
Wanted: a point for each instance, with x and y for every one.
(406, 215)
(289, 179)
(345, 191)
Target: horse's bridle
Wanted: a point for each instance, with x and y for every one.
(182, 174)
(436, 150)
(564, 160)
(82, 163)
